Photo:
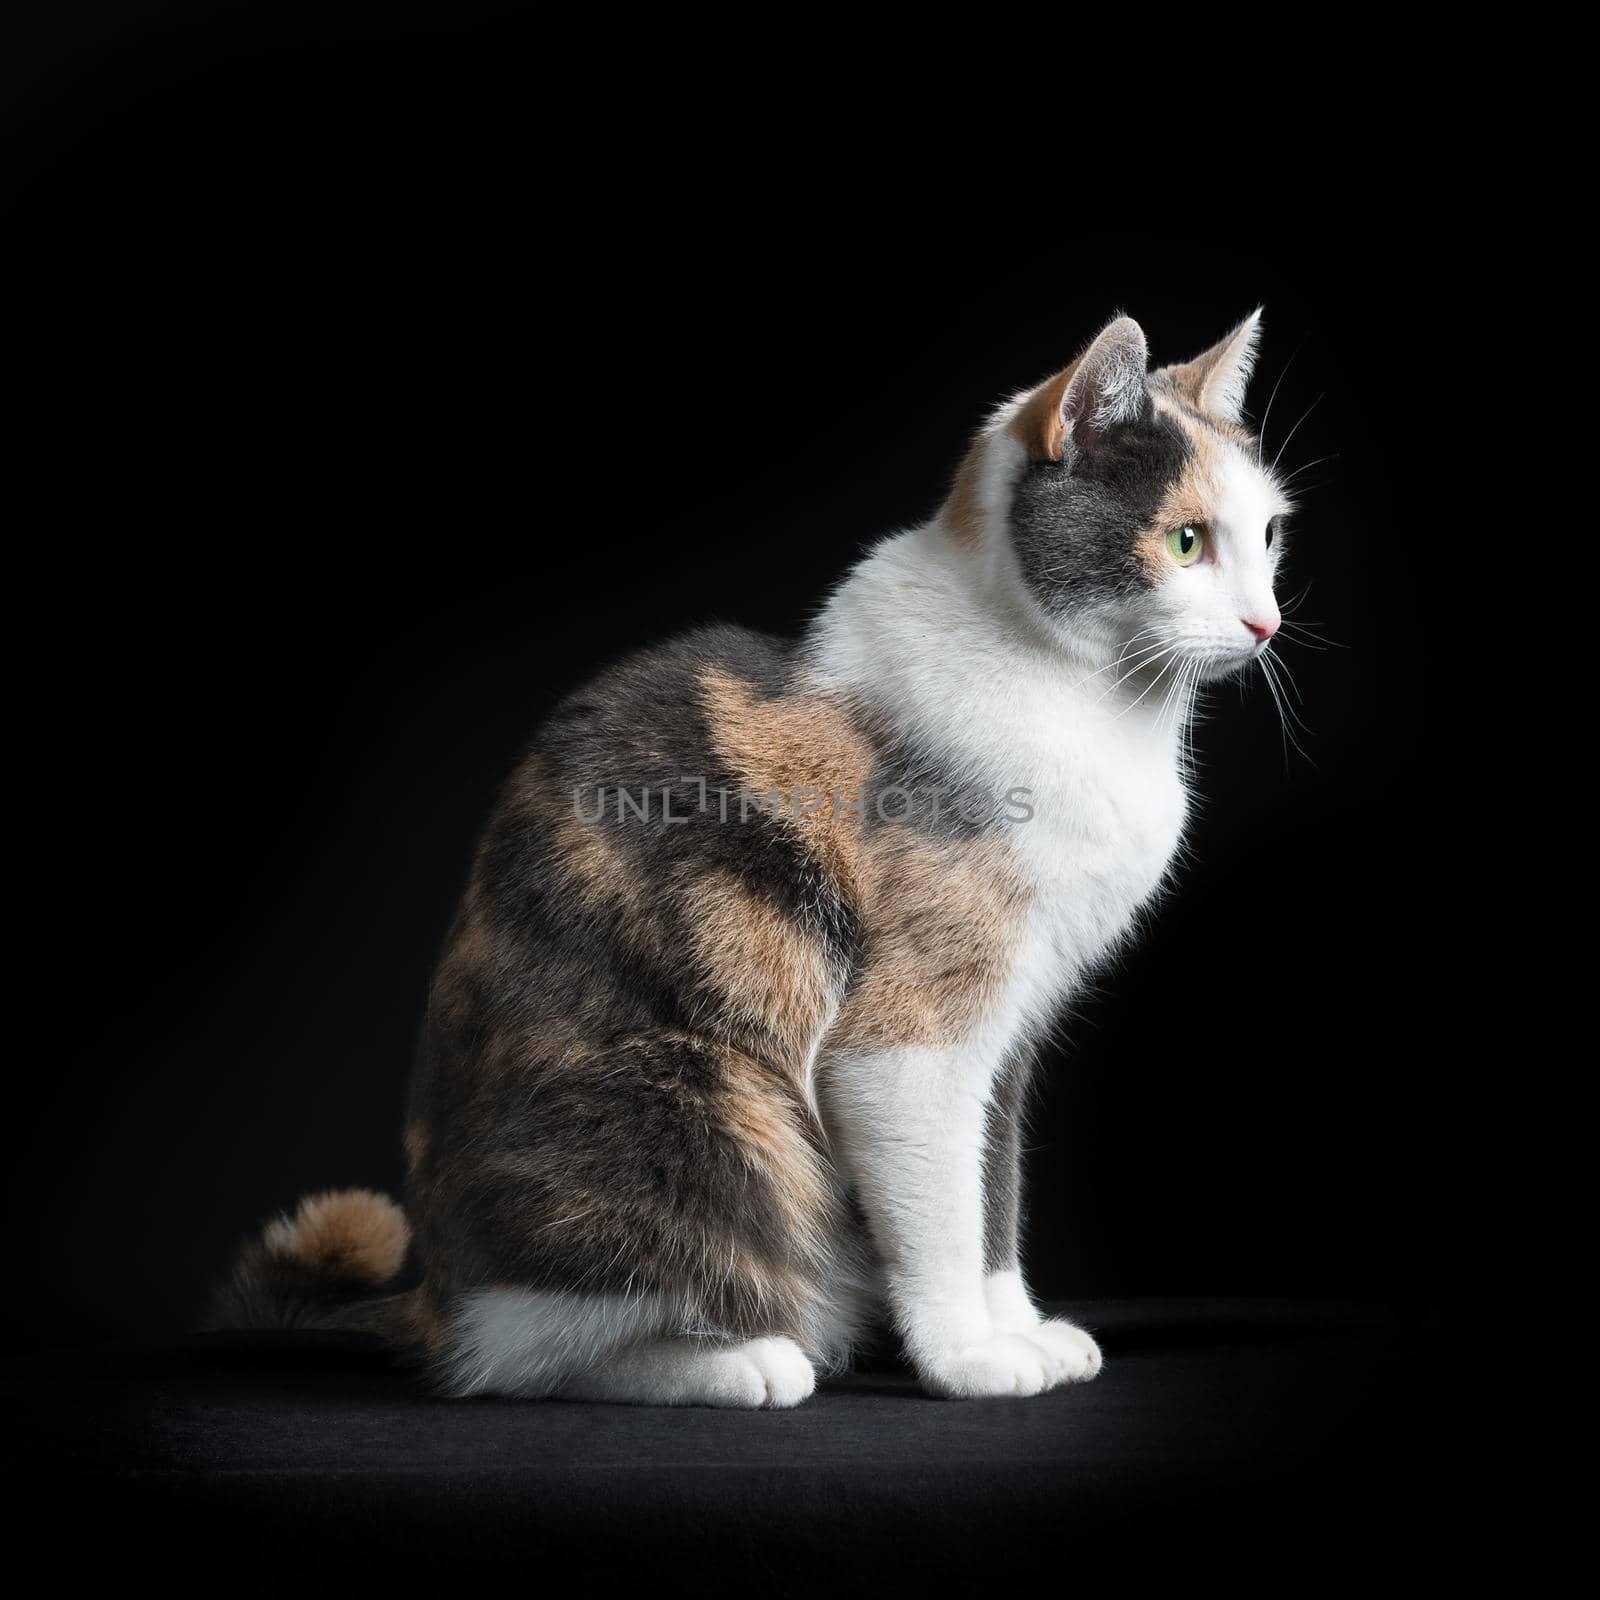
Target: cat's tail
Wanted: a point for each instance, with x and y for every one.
(324, 1267)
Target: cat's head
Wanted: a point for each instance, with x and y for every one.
(1131, 508)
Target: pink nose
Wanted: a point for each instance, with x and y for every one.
(1264, 629)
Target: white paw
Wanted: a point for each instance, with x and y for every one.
(1003, 1364)
(763, 1372)
(784, 1369)
(1071, 1355)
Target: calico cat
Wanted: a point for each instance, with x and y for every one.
(725, 1059)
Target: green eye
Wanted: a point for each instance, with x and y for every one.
(1185, 544)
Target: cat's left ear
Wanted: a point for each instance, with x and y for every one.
(1102, 389)
(1215, 381)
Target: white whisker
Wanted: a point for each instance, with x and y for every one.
(1261, 434)
(1295, 429)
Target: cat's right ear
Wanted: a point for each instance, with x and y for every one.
(1215, 380)
(1103, 388)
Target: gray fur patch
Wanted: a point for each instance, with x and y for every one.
(1075, 523)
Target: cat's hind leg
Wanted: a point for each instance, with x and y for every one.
(664, 1203)
(525, 1343)
(691, 1371)
(530, 1344)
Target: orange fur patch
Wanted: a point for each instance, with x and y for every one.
(940, 916)
(1199, 382)
(963, 510)
(471, 954)
(769, 973)
(416, 1146)
(1038, 424)
(767, 1124)
(349, 1233)
(423, 1317)
(941, 926)
(790, 744)
(1192, 497)
(584, 850)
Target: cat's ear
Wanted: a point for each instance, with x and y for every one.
(1215, 380)
(1103, 387)
(1106, 387)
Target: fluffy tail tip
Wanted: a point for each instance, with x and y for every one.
(350, 1234)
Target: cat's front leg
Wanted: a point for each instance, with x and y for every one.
(910, 1125)
(1073, 1354)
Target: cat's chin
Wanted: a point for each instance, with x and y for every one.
(1217, 669)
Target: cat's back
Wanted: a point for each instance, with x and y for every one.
(645, 720)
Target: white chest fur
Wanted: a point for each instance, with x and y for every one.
(1105, 826)
(915, 632)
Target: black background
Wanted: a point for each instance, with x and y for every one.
(375, 383)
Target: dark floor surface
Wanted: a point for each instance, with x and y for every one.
(1225, 1439)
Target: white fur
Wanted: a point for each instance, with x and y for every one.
(529, 1342)
(698, 1372)
(937, 635)
(1205, 607)
(907, 1128)
(1073, 1352)
(941, 636)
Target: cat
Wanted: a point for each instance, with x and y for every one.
(725, 1060)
